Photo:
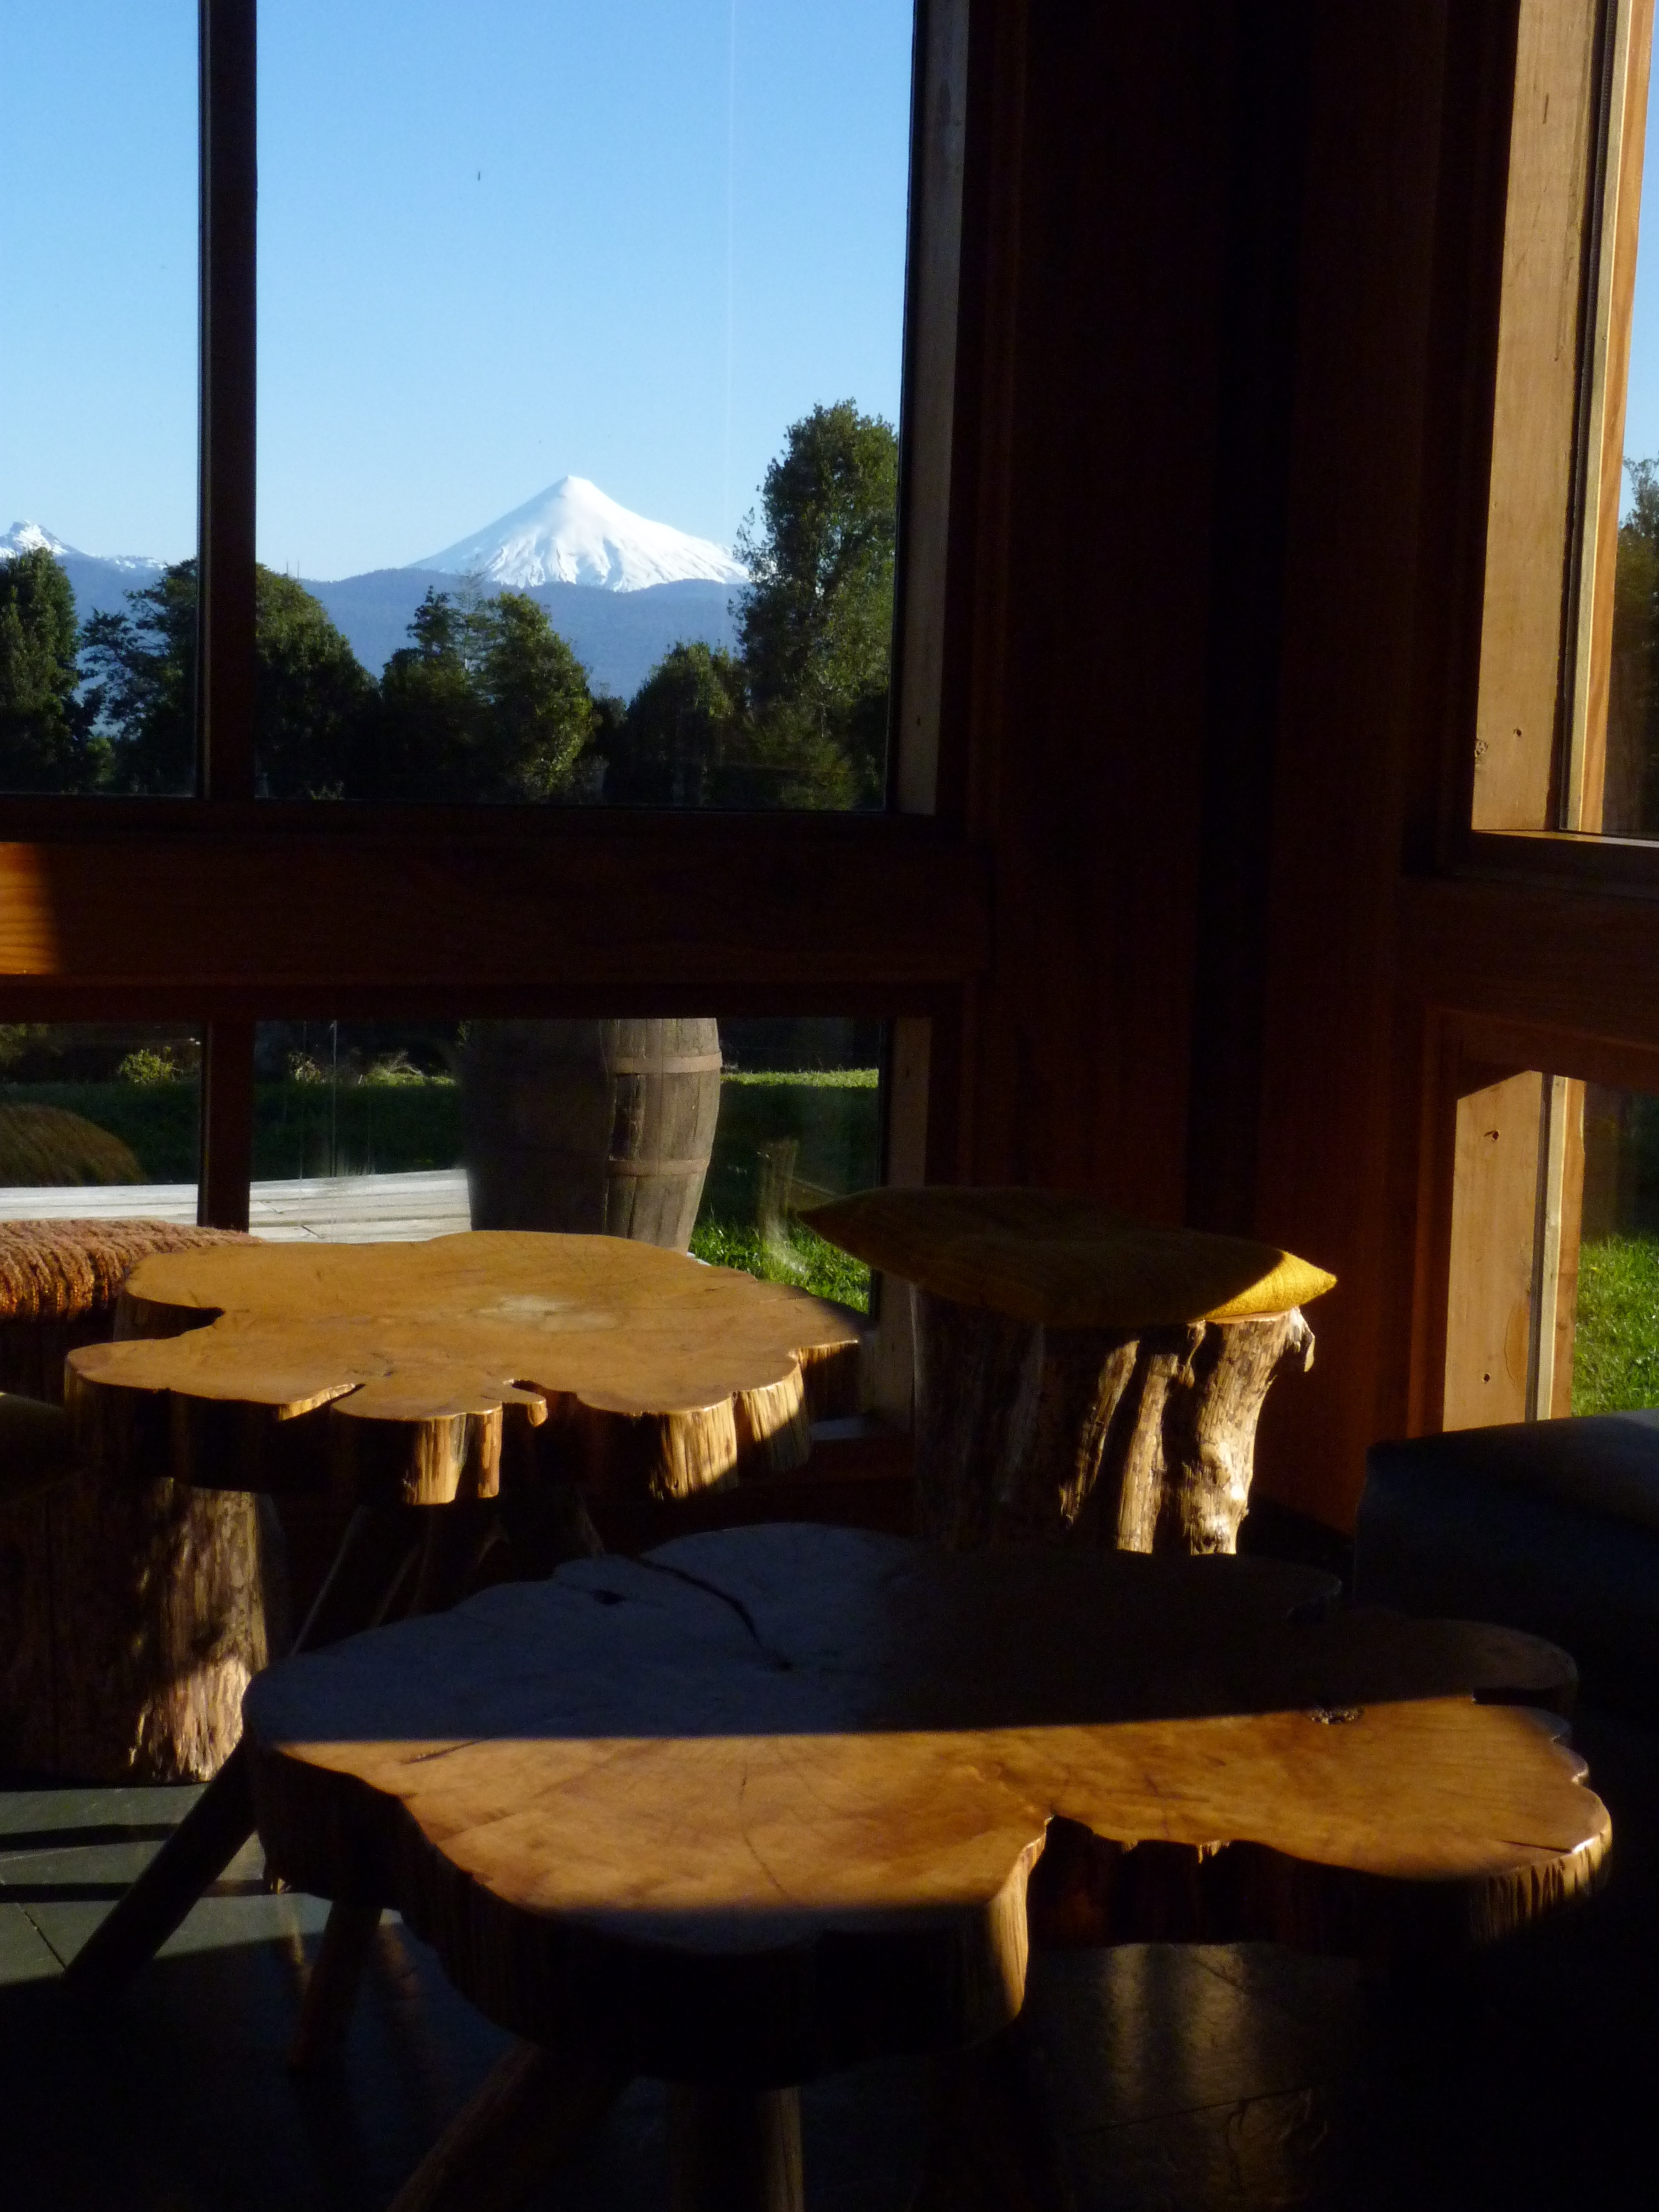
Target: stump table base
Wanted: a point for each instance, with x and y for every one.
(1132, 1439)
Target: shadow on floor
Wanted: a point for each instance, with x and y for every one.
(1181, 2080)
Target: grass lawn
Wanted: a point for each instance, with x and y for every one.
(798, 1255)
(1615, 1363)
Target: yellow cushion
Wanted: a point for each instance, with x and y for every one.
(1051, 1256)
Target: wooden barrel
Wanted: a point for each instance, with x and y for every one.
(592, 1127)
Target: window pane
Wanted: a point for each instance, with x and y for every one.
(98, 1119)
(724, 1132)
(1555, 1252)
(1615, 1347)
(581, 335)
(97, 143)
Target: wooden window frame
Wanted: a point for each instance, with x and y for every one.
(1533, 944)
(225, 909)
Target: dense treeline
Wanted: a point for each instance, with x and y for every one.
(486, 701)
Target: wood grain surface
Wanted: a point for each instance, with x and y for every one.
(406, 1373)
(767, 1801)
(1060, 1258)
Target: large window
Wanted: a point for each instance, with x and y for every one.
(552, 368)
(1568, 736)
(578, 350)
(1546, 1126)
(580, 338)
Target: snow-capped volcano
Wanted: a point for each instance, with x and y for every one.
(29, 538)
(571, 533)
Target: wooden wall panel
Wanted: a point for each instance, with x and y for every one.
(1581, 963)
(836, 915)
(1373, 543)
(1087, 447)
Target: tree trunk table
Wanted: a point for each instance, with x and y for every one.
(1078, 1375)
(132, 1615)
(507, 1365)
(768, 1802)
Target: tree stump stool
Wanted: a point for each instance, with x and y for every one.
(132, 1615)
(1079, 1376)
(766, 1803)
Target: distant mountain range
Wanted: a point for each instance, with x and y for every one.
(619, 588)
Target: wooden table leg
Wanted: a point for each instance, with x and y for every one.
(373, 1553)
(197, 1851)
(735, 2149)
(989, 2147)
(331, 1989)
(534, 2109)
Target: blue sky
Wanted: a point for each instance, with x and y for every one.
(500, 240)
(1642, 404)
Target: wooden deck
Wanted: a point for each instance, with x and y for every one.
(321, 1209)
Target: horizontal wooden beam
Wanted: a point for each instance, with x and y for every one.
(1562, 963)
(238, 908)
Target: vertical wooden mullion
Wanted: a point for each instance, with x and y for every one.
(225, 668)
(221, 1192)
(228, 187)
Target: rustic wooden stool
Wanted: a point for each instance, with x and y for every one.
(405, 1377)
(769, 1801)
(131, 1614)
(1079, 1374)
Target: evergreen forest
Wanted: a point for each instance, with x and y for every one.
(486, 701)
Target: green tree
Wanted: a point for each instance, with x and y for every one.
(47, 741)
(1632, 759)
(538, 707)
(815, 624)
(144, 660)
(672, 745)
(488, 702)
(312, 694)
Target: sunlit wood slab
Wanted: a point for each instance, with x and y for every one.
(403, 1373)
(768, 1802)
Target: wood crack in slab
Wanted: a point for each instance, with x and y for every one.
(713, 1589)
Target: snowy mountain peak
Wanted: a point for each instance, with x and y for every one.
(29, 538)
(571, 533)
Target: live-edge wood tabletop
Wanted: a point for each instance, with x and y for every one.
(769, 1800)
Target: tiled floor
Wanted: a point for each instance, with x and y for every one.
(1179, 2080)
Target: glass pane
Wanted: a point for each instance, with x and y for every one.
(1554, 1304)
(1615, 1345)
(662, 1129)
(98, 372)
(580, 338)
(98, 1119)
